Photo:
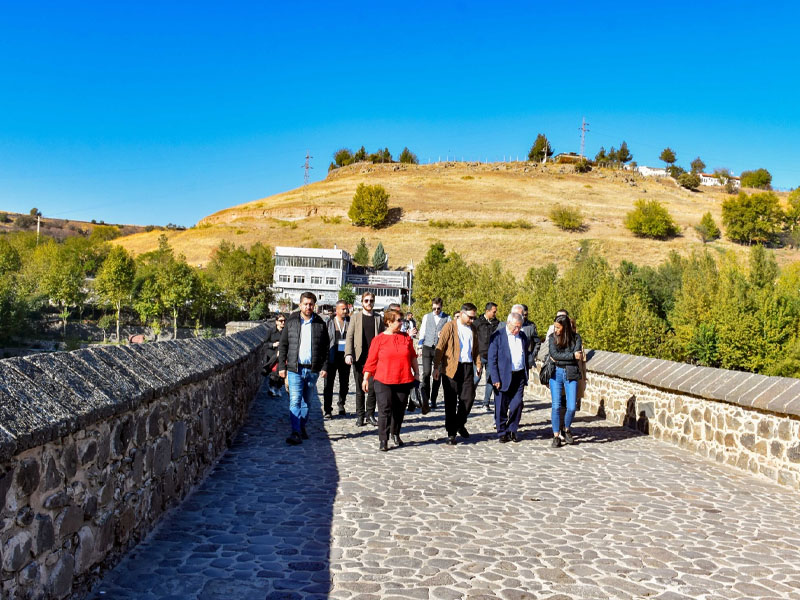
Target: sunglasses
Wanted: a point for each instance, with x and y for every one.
(368, 301)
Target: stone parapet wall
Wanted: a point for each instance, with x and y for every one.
(96, 444)
(740, 419)
(232, 327)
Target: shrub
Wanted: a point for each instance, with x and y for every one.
(518, 224)
(342, 157)
(331, 220)
(675, 171)
(760, 178)
(4, 217)
(467, 177)
(754, 219)
(567, 218)
(25, 221)
(583, 166)
(448, 224)
(707, 228)
(650, 219)
(690, 181)
(289, 224)
(370, 206)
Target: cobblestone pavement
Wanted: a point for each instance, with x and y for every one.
(618, 515)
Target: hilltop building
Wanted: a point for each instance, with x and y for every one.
(711, 179)
(323, 271)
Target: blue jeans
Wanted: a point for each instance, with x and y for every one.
(302, 391)
(571, 388)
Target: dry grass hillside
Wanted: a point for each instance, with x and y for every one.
(482, 193)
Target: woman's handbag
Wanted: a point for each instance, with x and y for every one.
(547, 372)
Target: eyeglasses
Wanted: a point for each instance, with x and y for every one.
(281, 321)
(470, 317)
(368, 301)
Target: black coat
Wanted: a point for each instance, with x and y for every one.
(272, 353)
(485, 329)
(290, 343)
(565, 357)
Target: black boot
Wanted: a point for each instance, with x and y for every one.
(397, 441)
(360, 421)
(384, 447)
(372, 420)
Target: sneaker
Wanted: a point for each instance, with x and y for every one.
(294, 439)
(568, 439)
(556, 442)
(360, 421)
(488, 408)
(328, 415)
(372, 420)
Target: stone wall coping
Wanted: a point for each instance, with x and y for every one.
(46, 396)
(751, 390)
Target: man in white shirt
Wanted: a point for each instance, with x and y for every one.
(431, 328)
(458, 359)
(508, 368)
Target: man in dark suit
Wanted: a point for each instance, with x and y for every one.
(508, 366)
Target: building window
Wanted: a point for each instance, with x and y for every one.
(330, 281)
(316, 281)
(299, 279)
(308, 262)
(284, 278)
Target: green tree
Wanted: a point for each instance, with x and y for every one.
(35, 212)
(690, 181)
(114, 281)
(600, 158)
(63, 282)
(697, 165)
(753, 219)
(347, 293)
(104, 233)
(764, 269)
(4, 217)
(370, 206)
(540, 290)
(760, 178)
(361, 255)
(244, 277)
(491, 283)
(602, 318)
(583, 166)
(360, 155)
(650, 219)
(379, 257)
(693, 308)
(447, 276)
(540, 148)
(725, 179)
(104, 323)
(623, 154)
(793, 217)
(668, 156)
(707, 228)
(176, 284)
(342, 157)
(10, 261)
(408, 157)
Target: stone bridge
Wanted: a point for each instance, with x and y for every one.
(695, 509)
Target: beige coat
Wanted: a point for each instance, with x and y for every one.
(449, 348)
(354, 342)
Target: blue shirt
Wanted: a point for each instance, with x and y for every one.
(304, 352)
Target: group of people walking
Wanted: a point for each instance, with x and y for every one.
(456, 352)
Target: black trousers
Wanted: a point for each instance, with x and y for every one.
(343, 370)
(363, 409)
(392, 402)
(429, 394)
(459, 394)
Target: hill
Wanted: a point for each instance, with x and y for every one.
(60, 228)
(496, 193)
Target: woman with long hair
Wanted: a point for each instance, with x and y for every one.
(566, 351)
(392, 365)
(270, 369)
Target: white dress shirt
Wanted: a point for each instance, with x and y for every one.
(515, 346)
(465, 337)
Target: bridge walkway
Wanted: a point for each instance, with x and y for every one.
(618, 515)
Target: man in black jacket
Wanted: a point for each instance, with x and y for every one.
(337, 333)
(302, 358)
(486, 325)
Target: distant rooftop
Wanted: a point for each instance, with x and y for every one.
(311, 252)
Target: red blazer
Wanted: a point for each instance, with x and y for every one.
(389, 359)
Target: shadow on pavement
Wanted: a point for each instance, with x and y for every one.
(258, 527)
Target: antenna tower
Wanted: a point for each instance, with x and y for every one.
(307, 166)
(584, 128)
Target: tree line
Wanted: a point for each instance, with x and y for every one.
(696, 309)
(90, 276)
(345, 156)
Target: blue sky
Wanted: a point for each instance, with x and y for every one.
(157, 112)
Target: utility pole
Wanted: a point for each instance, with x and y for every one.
(306, 167)
(584, 129)
(38, 224)
(545, 149)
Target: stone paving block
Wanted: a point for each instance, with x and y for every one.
(619, 365)
(125, 391)
(602, 361)
(656, 371)
(633, 368)
(139, 358)
(694, 378)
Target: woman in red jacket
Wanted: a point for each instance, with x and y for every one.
(392, 363)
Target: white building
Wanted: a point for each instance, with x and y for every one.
(318, 270)
(651, 171)
(323, 271)
(711, 179)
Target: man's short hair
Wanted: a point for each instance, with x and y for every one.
(489, 306)
(524, 307)
(310, 295)
(518, 306)
(367, 294)
(338, 302)
(514, 317)
(468, 306)
(437, 300)
(394, 306)
(561, 311)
